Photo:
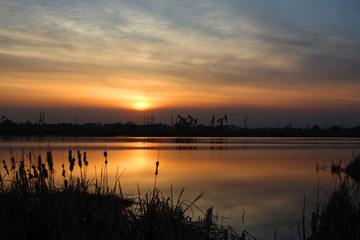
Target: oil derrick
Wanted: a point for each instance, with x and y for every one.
(149, 120)
(42, 118)
(221, 120)
(245, 123)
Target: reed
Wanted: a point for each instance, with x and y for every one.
(353, 168)
(340, 215)
(337, 167)
(350, 170)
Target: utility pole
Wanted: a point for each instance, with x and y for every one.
(212, 120)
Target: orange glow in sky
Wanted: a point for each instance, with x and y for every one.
(205, 56)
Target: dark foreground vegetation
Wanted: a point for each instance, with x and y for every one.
(351, 170)
(32, 206)
(161, 130)
(339, 216)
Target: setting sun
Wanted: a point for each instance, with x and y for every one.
(141, 106)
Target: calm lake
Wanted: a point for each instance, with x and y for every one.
(254, 184)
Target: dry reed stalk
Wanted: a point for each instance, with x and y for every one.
(117, 181)
(106, 173)
(101, 179)
(156, 173)
(96, 182)
(303, 220)
(86, 163)
(6, 169)
(2, 183)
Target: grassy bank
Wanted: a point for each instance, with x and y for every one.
(33, 206)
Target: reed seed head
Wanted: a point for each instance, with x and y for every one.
(70, 156)
(5, 167)
(63, 171)
(72, 164)
(105, 155)
(84, 159)
(44, 171)
(39, 163)
(79, 159)
(35, 171)
(12, 163)
(157, 166)
(50, 161)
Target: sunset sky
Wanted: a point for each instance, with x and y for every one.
(277, 61)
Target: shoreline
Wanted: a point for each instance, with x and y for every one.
(113, 130)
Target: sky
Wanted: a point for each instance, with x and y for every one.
(275, 61)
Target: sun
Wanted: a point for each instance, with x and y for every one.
(141, 106)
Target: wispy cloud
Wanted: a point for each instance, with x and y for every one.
(185, 47)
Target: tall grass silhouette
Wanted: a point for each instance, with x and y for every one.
(34, 207)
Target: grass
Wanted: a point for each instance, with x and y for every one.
(339, 217)
(32, 206)
(351, 170)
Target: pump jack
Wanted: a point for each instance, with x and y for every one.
(182, 122)
(220, 120)
(5, 120)
(192, 122)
